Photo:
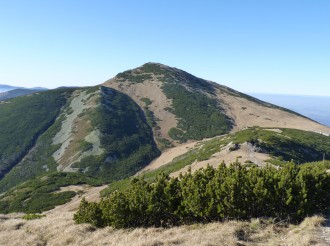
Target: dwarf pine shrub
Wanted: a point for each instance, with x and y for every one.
(228, 192)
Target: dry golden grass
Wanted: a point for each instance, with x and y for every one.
(246, 113)
(59, 229)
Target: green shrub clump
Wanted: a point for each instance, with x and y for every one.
(42, 193)
(33, 216)
(234, 192)
(198, 115)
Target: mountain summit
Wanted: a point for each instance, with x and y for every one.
(183, 107)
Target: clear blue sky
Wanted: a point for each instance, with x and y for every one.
(280, 46)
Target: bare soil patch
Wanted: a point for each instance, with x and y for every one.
(246, 153)
(168, 155)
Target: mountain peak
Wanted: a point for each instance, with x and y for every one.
(156, 67)
(149, 68)
(166, 89)
(157, 64)
(153, 72)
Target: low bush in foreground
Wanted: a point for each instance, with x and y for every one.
(234, 192)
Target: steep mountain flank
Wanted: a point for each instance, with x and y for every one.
(76, 129)
(125, 138)
(96, 131)
(23, 120)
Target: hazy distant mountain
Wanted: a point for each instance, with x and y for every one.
(314, 107)
(18, 92)
(4, 88)
(8, 91)
(38, 88)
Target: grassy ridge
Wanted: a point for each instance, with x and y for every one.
(290, 144)
(286, 146)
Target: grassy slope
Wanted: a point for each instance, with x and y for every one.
(297, 145)
(256, 100)
(199, 114)
(37, 194)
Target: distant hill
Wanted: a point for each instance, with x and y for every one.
(8, 91)
(4, 88)
(18, 92)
